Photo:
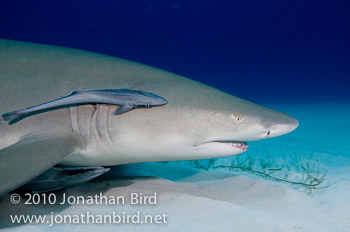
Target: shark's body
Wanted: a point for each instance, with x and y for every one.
(198, 121)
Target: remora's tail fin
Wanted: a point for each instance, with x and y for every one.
(8, 117)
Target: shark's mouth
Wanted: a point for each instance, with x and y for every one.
(240, 145)
(236, 144)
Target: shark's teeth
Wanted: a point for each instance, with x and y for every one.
(235, 144)
(238, 144)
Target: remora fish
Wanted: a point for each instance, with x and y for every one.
(127, 100)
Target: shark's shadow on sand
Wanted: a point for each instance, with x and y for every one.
(111, 183)
(97, 186)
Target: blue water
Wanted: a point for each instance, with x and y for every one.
(263, 51)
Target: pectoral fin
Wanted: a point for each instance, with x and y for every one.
(123, 109)
(29, 157)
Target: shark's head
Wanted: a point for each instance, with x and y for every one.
(230, 129)
(199, 122)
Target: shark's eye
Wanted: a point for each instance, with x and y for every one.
(236, 119)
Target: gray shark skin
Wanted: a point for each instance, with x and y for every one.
(125, 98)
(199, 122)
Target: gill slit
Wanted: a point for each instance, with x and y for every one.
(108, 123)
(79, 128)
(70, 118)
(93, 118)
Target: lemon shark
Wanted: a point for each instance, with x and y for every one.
(198, 121)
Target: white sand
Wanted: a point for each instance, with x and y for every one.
(220, 200)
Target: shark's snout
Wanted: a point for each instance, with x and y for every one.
(284, 126)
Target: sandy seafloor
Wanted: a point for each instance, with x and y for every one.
(222, 200)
